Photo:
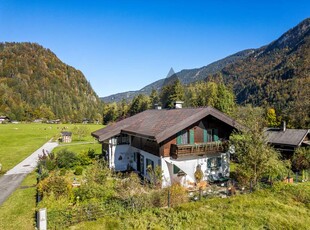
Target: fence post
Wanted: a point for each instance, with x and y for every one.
(42, 219)
(251, 186)
(168, 198)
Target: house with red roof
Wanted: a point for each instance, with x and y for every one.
(177, 140)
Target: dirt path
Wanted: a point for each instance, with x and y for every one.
(10, 181)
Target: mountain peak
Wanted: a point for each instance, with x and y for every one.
(170, 73)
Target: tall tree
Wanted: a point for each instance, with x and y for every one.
(139, 104)
(171, 93)
(154, 97)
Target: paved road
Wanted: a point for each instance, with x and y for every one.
(10, 181)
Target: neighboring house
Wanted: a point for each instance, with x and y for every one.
(66, 136)
(177, 140)
(4, 119)
(286, 140)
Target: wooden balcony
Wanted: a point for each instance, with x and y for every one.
(198, 149)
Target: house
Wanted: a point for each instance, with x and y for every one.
(4, 119)
(66, 136)
(177, 140)
(286, 140)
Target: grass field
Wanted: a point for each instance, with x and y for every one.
(17, 141)
(284, 206)
(18, 211)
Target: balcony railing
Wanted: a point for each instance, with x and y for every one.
(198, 148)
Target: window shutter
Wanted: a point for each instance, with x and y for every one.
(205, 135)
(179, 138)
(215, 135)
(191, 136)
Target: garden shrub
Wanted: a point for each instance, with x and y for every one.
(91, 153)
(93, 191)
(56, 185)
(84, 159)
(63, 172)
(78, 170)
(178, 195)
(50, 164)
(66, 159)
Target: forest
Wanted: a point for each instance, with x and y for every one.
(34, 84)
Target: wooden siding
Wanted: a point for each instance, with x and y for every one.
(145, 145)
(165, 146)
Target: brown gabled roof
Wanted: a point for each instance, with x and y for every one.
(159, 125)
(292, 137)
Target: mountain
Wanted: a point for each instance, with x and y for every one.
(277, 75)
(34, 83)
(185, 76)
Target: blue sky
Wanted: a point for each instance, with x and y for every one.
(125, 45)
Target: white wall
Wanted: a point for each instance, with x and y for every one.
(189, 165)
(122, 157)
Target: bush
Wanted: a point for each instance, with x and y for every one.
(91, 153)
(63, 172)
(178, 195)
(78, 170)
(84, 159)
(56, 185)
(66, 159)
(50, 164)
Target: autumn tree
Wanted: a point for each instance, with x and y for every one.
(271, 118)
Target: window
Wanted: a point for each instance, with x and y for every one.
(186, 137)
(210, 135)
(182, 137)
(149, 162)
(123, 139)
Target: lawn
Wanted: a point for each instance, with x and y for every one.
(18, 141)
(18, 211)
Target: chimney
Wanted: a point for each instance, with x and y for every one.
(157, 106)
(284, 126)
(178, 104)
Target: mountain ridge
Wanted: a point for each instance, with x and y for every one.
(185, 76)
